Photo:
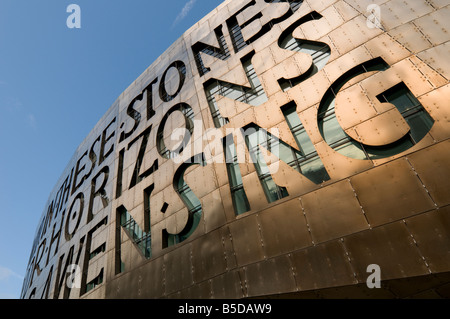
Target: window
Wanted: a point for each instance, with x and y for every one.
(238, 195)
(95, 282)
(140, 238)
(236, 30)
(413, 112)
(188, 114)
(190, 200)
(254, 138)
(97, 251)
(120, 174)
(236, 34)
(182, 72)
(336, 137)
(222, 52)
(320, 53)
(295, 5)
(411, 109)
(306, 160)
(254, 95)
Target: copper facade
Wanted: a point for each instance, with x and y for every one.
(169, 196)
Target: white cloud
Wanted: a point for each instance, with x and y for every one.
(13, 104)
(6, 273)
(32, 121)
(17, 110)
(184, 12)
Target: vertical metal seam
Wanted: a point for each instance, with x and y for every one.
(261, 239)
(430, 4)
(342, 243)
(423, 74)
(293, 269)
(339, 13)
(306, 221)
(243, 284)
(421, 182)
(360, 205)
(420, 31)
(417, 246)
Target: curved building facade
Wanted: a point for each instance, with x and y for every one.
(278, 148)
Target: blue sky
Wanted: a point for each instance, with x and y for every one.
(55, 84)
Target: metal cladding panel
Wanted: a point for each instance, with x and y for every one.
(215, 215)
(394, 185)
(208, 256)
(431, 231)
(321, 266)
(333, 212)
(200, 291)
(355, 292)
(435, 26)
(152, 279)
(391, 247)
(178, 262)
(227, 286)
(433, 102)
(433, 57)
(404, 288)
(280, 166)
(117, 289)
(247, 242)
(444, 291)
(432, 167)
(274, 274)
(278, 235)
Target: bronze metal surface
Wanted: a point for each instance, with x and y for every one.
(394, 185)
(201, 225)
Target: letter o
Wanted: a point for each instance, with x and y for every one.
(70, 216)
(188, 115)
(181, 68)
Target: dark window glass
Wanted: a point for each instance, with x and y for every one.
(238, 195)
(418, 119)
(254, 95)
(306, 160)
(140, 238)
(411, 109)
(255, 137)
(190, 200)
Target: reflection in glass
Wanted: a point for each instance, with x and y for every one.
(254, 138)
(238, 195)
(140, 238)
(254, 95)
(191, 202)
(319, 52)
(306, 160)
(418, 119)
